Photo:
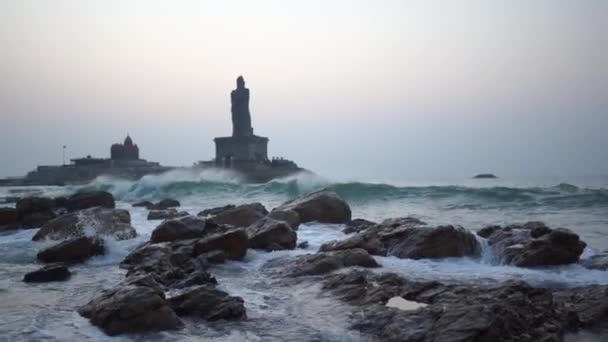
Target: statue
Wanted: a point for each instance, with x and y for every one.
(241, 118)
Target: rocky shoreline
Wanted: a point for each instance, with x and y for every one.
(170, 278)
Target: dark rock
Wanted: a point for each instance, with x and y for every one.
(485, 232)
(33, 212)
(324, 262)
(485, 176)
(291, 217)
(368, 242)
(187, 227)
(216, 210)
(143, 204)
(166, 204)
(115, 223)
(8, 216)
(270, 234)
(241, 216)
(357, 226)
(208, 303)
(48, 273)
(322, 206)
(303, 245)
(233, 242)
(165, 214)
(596, 262)
(131, 308)
(75, 250)
(90, 199)
(406, 222)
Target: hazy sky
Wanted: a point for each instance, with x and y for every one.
(381, 89)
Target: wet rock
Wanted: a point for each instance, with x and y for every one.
(404, 222)
(322, 206)
(584, 307)
(8, 218)
(208, 303)
(165, 214)
(33, 212)
(90, 199)
(233, 243)
(47, 274)
(534, 244)
(74, 250)
(596, 262)
(143, 204)
(270, 234)
(357, 226)
(324, 262)
(372, 244)
(187, 227)
(131, 307)
(291, 217)
(98, 221)
(303, 245)
(166, 204)
(216, 210)
(485, 232)
(241, 216)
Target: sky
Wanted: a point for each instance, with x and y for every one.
(383, 89)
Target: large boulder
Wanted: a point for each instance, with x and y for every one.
(187, 227)
(357, 226)
(596, 262)
(143, 204)
(270, 234)
(33, 212)
(165, 214)
(207, 303)
(165, 204)
(534, 244)
(131, 307)
(291, 217)
(97, 221)
(47, 274)
(322, 262)
(322, 206)
(74, 250)
(233, 243)
(216, 210)
(8, 218)
(241, 216)
(90, 199)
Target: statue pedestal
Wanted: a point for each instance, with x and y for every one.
(229, 150)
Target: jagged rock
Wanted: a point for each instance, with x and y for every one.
(241, 216)
(596, 262)
(321, 206)
(233, 242)
(143, 204)
(33, 212)
(291, 217)
(99, 221)
(216, 210)
(208, 303)
(485, 232)
(409, 238)
(165, 214)
(271, 234)
(75, 250)
(323, 262)
(166, 204)
(534, 244)
(90, 199)
(187, 227)
(47, 274)
(131, 307)
(357, 226)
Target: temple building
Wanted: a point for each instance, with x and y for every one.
(125, 151)
(243, 145)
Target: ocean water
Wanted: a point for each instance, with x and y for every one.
(41, 312)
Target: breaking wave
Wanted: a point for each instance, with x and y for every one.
(187, 183)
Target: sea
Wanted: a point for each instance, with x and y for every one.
(47, 312)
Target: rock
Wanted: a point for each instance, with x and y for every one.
(48, 273)
(270, 234)
(357, 226)
(75, 250)
(241, 216)
(485, 232)
(233, 242)
(208, 303)
(90, 199)
(406, 222)
(166, 204)
(33, 212)
(131, 308)
(187, 227)
(303, 245)
(324, 262)
(533, 244)
(485, 176)
(322, 206)
(8, 216)
(596, 262)
(143, 204)
(291, 217)
(216, 210)
(165, 214)
(115, 223)
(411, 240)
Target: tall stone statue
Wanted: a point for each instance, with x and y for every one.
(241, 118)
